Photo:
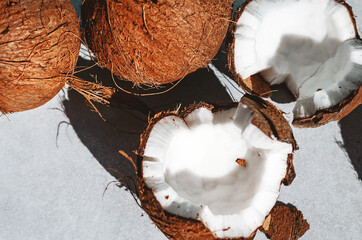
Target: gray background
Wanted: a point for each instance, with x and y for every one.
(55, 164)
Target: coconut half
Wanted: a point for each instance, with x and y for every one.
(155, 42)
(39, 46)
(215, 172)
(310, 45)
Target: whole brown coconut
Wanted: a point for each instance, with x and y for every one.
(39, 46)
(259, 83)
(155, 42)
(271, 122)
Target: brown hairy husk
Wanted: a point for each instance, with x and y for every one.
(39, 46)
(256, 85)
(265, 116)
(155, 42)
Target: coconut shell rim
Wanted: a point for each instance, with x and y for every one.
(334, 113)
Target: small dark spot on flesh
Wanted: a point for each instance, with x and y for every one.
(167, 197)
(142, 215)
(197, 215)
(319, 89)
(241, 162)
(225, 229)
(178, 206)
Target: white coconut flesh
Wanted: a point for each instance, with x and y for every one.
(308, 44)
(191, 166)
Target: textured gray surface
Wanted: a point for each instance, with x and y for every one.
(55, 160)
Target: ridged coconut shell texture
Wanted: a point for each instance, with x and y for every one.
(265, 116)
(256, 85)
(39, 46)
(155, 42)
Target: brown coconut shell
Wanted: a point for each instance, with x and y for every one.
(39, 46)
(155, 42)
(256, 85)
(284, 222)
(265, 116)
(334, 113)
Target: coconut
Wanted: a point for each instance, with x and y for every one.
(39, 46)
(155, 42)
(311, 46)
(214, 172)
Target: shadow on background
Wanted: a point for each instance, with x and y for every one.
(351, 130)
(123, 124)
(282, 94)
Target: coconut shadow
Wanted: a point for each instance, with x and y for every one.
(125, 124)
(351, 131)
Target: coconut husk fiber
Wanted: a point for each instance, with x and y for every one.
(155, 42)
(39, 46)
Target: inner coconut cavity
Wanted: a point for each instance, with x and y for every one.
(308, 44)
(217, 168)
